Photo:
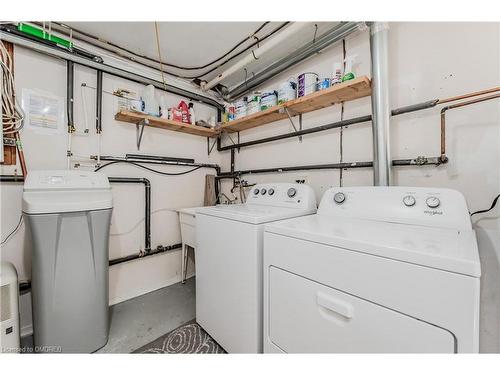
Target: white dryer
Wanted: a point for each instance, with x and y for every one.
(377, 269)
(229, 262)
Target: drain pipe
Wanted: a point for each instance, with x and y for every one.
(98, 116)
(379, 33)
(70, 71)
(147, 204)
(122, 180)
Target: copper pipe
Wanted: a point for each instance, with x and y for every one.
(20, 152)
(444, 158)
(470, 95)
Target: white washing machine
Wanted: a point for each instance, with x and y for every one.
(229, 262)
(377, 269)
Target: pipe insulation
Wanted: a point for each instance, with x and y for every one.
(330, 37)
(54, 51)
(287, 33)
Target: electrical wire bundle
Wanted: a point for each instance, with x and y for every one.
(12, 113)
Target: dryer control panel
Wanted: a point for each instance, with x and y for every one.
(282, 195)
(436, 207)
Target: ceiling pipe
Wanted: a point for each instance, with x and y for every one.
(24, 41)
(381, 113)
(330, 37)
(288, 32)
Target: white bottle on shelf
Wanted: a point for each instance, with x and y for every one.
(151, 105)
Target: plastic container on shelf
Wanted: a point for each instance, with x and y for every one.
(253, 103)
(268, 100)
(151, 105)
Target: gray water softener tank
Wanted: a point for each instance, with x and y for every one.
(67, 214)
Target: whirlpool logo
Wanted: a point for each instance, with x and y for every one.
(433, 212)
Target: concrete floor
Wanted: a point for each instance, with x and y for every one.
(137, 322)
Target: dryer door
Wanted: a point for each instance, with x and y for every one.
(308, 317)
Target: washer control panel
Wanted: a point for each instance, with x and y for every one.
(441, 208)
(282, 194)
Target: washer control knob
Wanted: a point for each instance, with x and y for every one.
(409, 201)
(270, 191)
(292, 192)
(256, 191)
(339, 198)
(263, 191)
(433, 202)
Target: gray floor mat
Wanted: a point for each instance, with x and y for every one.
(189, 338)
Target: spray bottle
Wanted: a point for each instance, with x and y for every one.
(350, 61)
(337, 73)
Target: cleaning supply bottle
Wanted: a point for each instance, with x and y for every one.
(163, 107)
(337, 73)
(183, 107)
(191, 114)
(350, 61)
(151, 105)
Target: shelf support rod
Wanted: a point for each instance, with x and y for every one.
(140, 131)
(285, 109)
(210, 148)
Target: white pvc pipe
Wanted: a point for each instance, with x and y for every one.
(265, 47)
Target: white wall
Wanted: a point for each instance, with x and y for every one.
(36, 71)
(427, 61)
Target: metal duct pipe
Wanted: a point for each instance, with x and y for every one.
(289, 32)
(336, 34)
(31, 43)
(379, 32)
(147, 204)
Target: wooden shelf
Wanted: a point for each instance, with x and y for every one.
(343, 92)
(161, 123)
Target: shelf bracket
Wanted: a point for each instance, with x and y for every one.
(238, 142)
(210, 147)
(140, 131)
(230, 138)
(285, 109)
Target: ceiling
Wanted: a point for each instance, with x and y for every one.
(189, 44)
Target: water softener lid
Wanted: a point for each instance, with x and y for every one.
(65, 191)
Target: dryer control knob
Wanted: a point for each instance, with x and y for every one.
(409, 201)
(339, 198)
(263, 191)
(291, 192)
(256, 191)
(433, 202)
(270, 191)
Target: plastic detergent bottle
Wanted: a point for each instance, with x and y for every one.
(337, 73)
(350, 61)
(151, 105)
